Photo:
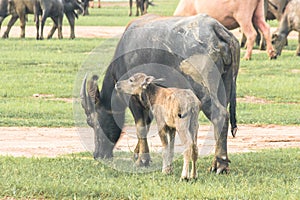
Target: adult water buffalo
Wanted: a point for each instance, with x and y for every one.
(141, 5)
(19, 9)
(49, 8)
(194, 52)
(3, 10)
(289, 22)
(69, 9)
(232, 14)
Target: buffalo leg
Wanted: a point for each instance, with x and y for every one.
(298, 48)
(59, 27)
(259, 21)
(43, 20)
(130, 7)
(138, 5)
(11, 22)
(22, 24)
(71, 20)
(218, 115)
(53, 29)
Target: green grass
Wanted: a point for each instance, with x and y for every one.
(113, 15)
(51, 67)
(272, 174)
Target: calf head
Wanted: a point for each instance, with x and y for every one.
(135, 84)
(278, 42)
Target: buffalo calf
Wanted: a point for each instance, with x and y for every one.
(174, 110)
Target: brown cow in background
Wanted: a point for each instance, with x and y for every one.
(233, 14)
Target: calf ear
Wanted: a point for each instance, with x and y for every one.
(147, 81)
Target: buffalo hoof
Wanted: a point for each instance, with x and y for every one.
(272, 55)
(4, 36)
(220, 166)
(233, 131)
(143, 160)
(167, 170)
(247, 58)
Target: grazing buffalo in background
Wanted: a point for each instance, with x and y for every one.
(141, 5)
(196, 53)
(20, 9)
(49, 8)
(274, 10)
(232, 14)
(290, 21)
(3, 10)
(69, 9)
(86, 5)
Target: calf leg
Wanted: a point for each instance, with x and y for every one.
(53, 29)
(168, 147)
(194, 161)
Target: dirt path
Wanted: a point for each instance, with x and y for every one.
(97, 32)
(51, 142)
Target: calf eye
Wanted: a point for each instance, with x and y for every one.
(131, 80)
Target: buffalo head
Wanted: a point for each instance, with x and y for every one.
(102, 119)
(278, 42)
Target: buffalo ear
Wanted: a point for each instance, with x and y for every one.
(159, 80)
(93, 90)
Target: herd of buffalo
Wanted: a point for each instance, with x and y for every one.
(193, 51)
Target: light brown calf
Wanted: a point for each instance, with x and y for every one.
(174, 110)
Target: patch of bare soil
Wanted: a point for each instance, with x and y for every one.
(52, 142)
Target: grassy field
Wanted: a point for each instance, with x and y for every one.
(37, 86)
(50, 68)
(271, 174)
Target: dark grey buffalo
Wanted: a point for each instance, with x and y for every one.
(3, 10)
(49, 8)
(195, 52)
(69, 9)
(141, 6)
(290, 21)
